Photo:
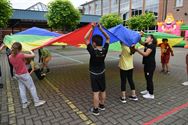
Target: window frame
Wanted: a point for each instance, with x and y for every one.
(179, 5)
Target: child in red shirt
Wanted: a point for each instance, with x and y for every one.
(166, 50)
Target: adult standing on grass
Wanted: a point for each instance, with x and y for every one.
(149, 62)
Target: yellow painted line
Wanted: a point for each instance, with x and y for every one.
(75, 109)
(10, 102)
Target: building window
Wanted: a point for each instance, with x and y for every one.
(179, 3)
(89, 9)
(98, 7)
(152, 6)
(124, 9)
(92, 8)
(114, 6)
(106, 8)
(86, 9)
(137, 7)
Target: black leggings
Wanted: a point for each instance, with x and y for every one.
(126, 74)
(38, 73)
(149, 71)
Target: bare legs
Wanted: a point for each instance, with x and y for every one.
(98, 98)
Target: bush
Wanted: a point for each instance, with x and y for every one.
(111, 20)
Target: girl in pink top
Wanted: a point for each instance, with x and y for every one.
(17, 59)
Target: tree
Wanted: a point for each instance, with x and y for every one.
(111, 20)
(134, 22)
(5, 12)
(141, 22)
(62, 15)
(149, 20)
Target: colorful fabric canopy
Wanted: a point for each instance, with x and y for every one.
(38, 31)
(31, 38)
(117, 46)
(76, 38)
(172, 39)
(127, 36)
(29, 42)
(97, 31)
(184, 27)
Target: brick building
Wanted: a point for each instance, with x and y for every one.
(128, 8)
(179, 8)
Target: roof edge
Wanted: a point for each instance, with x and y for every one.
(29, 10)
(88, 2)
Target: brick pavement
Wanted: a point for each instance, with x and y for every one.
(68, 94)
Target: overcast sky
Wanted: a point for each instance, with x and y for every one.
(23, 4)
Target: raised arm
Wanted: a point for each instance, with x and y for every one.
(141, 42)
(104, 33)
(2, 47)
(31, 55)
(145, 54)
(86, 38)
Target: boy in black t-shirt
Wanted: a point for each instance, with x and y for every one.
(97, 67)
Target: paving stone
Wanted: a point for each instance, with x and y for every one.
(29, 122)
(73, 82)
(20, 121)
(66, 121)
(113, 121)
(76, 122)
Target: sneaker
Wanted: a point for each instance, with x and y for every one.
(185, 83)
(102, 107)
(41, 102)
(123, 100)
(14, 78)
(25, 105)
(144, 92)
(43, 74)
(167, 72)
(133, 98)
(148, 96)
(95, 111)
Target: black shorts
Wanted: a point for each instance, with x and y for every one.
(98, 83)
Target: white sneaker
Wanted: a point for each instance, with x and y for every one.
(144, 92)
(148, 96)
(25, 105)
(123, 100)
(185, 83)
(14, 78)
(41, 102)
